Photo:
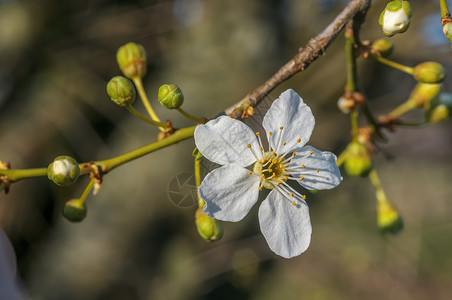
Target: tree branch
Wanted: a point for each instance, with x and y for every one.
(315, 47)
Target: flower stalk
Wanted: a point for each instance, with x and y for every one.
(191, 117)
(444, 9)
(392, 64)
(108, 164)
(132, 110)
(144, 98)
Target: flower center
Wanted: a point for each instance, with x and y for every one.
(270, 169)
(274, 166)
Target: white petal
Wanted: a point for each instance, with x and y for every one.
(290, 112)
(328, 175)
(286, 227)
(224, 141)
(229, 192)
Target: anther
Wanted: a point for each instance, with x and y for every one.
(257, 133)
(291, 194)
(250, 173)
(303, 166)
(249, 145)
(303, 197)
(270, 133)
(299, 140)
(285, 177)
(260, 148)
(294, 153)
(293, 203)
(284, 144)
(301, 178)
(274, 175)
(260, 188)
(317, 171)
(311, 152)
(281, 128)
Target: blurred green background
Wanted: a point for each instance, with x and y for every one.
(55, 60)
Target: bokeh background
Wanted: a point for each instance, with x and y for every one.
(55, 60)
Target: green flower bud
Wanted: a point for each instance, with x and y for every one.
(395, 18)
(439, 113)
(132, 61)
(170, 96)
(447, 29)
(384, 47)
(121, 91)
(74, 210)
(429, 72)
(442, 110)
(63, 171)
(388, 218)
(358, 161)
(209, 229)
(424, 93)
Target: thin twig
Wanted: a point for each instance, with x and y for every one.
(315, 47)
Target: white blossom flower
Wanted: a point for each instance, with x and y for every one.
(231, 190)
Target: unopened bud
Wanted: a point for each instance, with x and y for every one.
(424, 93)
(439, 113)
(121, 91)
(345, 104)
(442, 110)
(63, 171)
(358, 161)
(74, 210)
(447, 29)
(429, 72)
(384, 47)
(209, 229)
(132, 61)
(170, 96)
(388, 218)
(395, 18)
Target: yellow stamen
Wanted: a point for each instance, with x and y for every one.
(301, 178)
(303, 197)
(281, 128)
(249, 145)
(317, 171)
(270, 133)
(285, 177)
(303, 166)
(311, 152)
(293, 203)
(299, 140)
(291, 194)
(250, 173)
(294, 153)
(260, 188)
(260, 148)
(257, 133)
(284, 144)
